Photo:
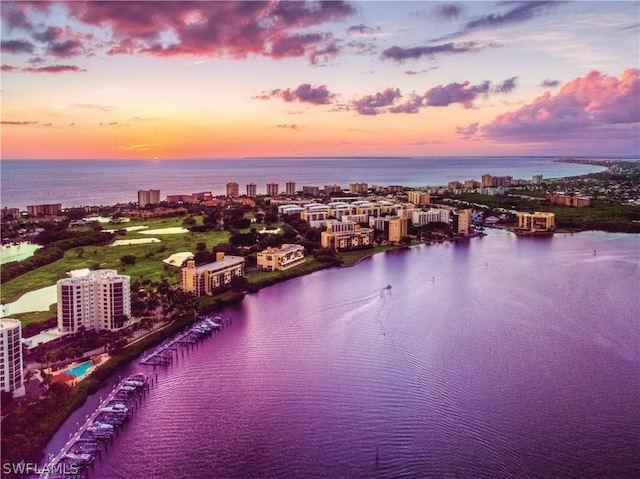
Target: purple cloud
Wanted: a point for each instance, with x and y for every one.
(372, 104)
(506, 86)
(464, 93)
(550, 83)
(316, 95)
(468, 132)
(410, 106)
(400, 54)
(16, 46)
(447, 11)
(523, 11)
(45, 69)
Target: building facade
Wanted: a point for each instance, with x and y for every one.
(148, 197)
(419, 198)
(208, 278)
(283, 258)
(290, 188)
(272, 189)
(462, 222)
(569, 200)
(233, 190)
(342, 236)
(44, 210)
(397, 229)
(538, 222)
(96, 300)
(11, 373)
(252, 190)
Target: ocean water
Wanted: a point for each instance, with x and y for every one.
(498, 357)
(102, 182)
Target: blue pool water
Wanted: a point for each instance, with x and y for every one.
(79, 370)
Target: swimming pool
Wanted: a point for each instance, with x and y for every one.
(79, 370)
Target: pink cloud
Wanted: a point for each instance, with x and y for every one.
(234, 29)
(592, 107)
(588, 102)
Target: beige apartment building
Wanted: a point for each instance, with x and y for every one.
(148, 197)
(462, 222)
(290, 188)
(272, 189)
(252, 190)
(397, 229)
(569, 200)
(208, 278)
(342, 236)
(538, 222)
(419, 198)
(283, 258)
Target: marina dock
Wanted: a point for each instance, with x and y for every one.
(164, 354)
(80, 450)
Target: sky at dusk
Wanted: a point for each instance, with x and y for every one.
(281, 78)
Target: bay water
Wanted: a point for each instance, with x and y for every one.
(498, 356)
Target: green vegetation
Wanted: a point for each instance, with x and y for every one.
(148, 258)
(601, 215)
(350, 258)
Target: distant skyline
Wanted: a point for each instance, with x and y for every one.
(266, 79)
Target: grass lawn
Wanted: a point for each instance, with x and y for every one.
(349, 258)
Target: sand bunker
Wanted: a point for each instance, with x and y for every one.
(104, 219)
(177, 259)
(166, 231)
(38, 300)
(135, 241)
(128, 228)
(266, 231)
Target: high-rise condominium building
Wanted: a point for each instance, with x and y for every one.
(290, 188)
(11, 376)
(148, 197)
(233, 190)
(272, 189)
(95, 300)
(252, 190)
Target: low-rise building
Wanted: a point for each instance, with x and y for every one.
(283, 258)
(342, 236)
(44, 210)
(208, 278)
(537, 222)
(419, 198)
(569, 200)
